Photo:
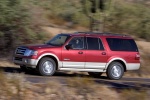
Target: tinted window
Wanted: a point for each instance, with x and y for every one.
(77, 43)
(94, 44)
(116, 44)
(58, 40)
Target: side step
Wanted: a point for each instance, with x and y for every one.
(83, 70)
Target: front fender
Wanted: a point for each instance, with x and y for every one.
(49, 54)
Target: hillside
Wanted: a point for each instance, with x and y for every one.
(36, 21)
(24, 18)
(29, 21)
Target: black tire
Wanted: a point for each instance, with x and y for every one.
(95, 74)
(46, 66)
(115, 71)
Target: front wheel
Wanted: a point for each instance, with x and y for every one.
(46, 66)
(115, 71)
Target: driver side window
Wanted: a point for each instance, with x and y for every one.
(77, 43)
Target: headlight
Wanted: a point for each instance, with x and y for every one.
(30, 53)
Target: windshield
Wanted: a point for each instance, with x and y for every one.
(58, 40)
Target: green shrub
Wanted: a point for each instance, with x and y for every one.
(16, 24)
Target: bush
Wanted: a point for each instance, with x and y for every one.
(119, 16)
(21, 20)
(130, 18)
(16, 25)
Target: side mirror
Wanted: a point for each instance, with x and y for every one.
(69, 46)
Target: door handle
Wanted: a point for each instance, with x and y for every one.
(80, 52)
(103, 53)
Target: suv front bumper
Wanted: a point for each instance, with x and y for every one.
(26, 61)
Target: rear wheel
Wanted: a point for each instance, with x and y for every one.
(115, 71)
(95, 74)
(46, 66)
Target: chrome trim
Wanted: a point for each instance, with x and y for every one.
(82, 69)
(20, 51)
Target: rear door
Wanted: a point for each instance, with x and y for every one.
(96, 55)
(75, 57)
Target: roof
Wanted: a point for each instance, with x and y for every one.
(98, 34)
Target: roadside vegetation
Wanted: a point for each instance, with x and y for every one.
(15, 87)
(17, 25)
(119, 16)
(22, 21)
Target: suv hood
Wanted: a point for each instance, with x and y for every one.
(38, 46)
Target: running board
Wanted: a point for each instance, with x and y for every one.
(82, 70)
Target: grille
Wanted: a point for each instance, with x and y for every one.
(20, 51)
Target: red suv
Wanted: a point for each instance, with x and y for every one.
(91, 52)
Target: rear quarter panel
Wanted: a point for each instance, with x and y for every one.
(128, 57)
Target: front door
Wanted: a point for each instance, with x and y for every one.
(75, 56)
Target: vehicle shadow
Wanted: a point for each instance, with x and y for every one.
(10, 69)
(34, 73)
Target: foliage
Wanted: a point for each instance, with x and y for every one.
(16, 25)
(69, 11)
(130, 18)
(119, 16)
(20, 20)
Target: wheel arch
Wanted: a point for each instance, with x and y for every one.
(49, 55)
(120, 60)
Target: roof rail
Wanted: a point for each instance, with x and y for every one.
(82, 32)
(100, 33)
(88, 32)
(112, 34)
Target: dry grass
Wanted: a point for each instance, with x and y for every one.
(12, 87)
(144, 47)
(54, 31)
(6, 63)
(91, 90)
(15, 87)
(135, 95)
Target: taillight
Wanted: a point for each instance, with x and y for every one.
(137, 56)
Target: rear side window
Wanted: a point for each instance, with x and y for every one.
(94, 44)
(117, 44)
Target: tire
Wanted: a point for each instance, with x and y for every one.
(115, 71)
(46, 66)
(95, 74)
